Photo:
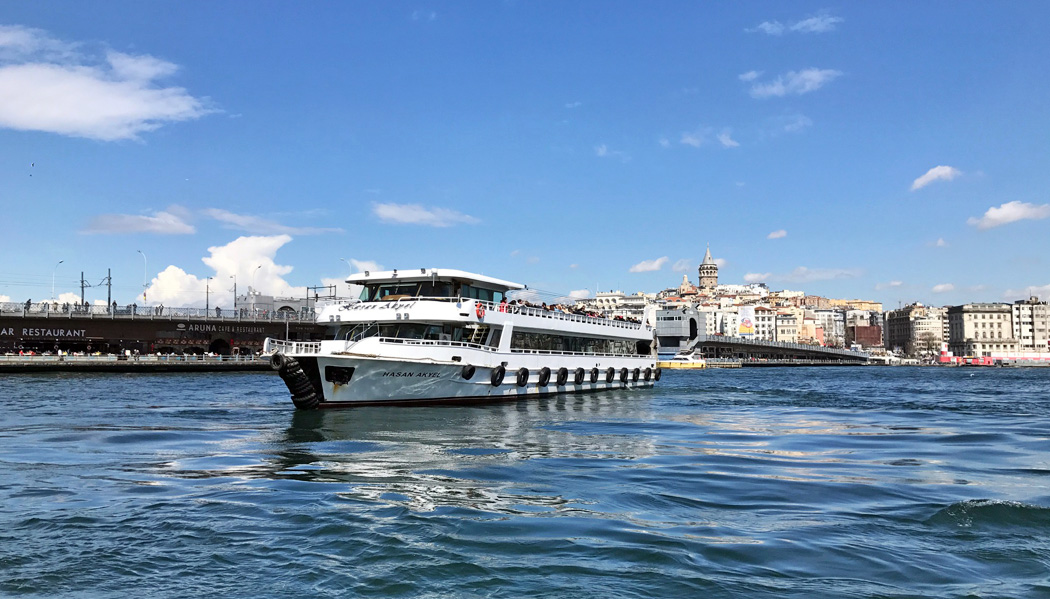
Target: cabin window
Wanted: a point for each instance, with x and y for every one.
(525, 340)
(480, 293)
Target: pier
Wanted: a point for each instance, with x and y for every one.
(756, 353)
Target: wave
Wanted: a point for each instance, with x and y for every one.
(991, 513)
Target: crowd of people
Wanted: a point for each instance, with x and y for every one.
(514, 306)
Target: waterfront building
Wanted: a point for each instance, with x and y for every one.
(856, 304)
(981, 329)
(765, 323)
(678, 327)
(916, 329)
(1031, 324)
(787, 327)
(864, 335)
(833, 321)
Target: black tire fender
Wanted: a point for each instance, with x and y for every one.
(545, 376)
(563, 376)
(523, 376)
(578, 376)
(497, 375)
(610, 374)
(468, 371)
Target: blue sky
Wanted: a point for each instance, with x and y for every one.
(890, 152)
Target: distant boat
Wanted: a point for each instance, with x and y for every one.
(683, 361)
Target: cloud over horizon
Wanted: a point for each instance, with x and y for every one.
(1008, 213)
(818, 23)
(937, 173)
(171, 221)
(67, 89)
(794, 83)
(416, 214)
(650, 265)
(262, 226)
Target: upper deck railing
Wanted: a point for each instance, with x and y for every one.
(136, 312)
(501, 308)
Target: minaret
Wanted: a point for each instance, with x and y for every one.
(708, 273)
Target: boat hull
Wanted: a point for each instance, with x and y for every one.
(347, 381)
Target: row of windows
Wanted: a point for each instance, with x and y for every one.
(585, 345)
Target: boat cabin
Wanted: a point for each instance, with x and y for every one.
(393, 285)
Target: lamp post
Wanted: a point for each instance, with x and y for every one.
(207, 295)
(348, 265)
(234, 277)
(144, 275)
(53, 272)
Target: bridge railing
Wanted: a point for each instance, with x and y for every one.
(780, 345)
(157, 312)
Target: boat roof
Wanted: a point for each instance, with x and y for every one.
(412, 275)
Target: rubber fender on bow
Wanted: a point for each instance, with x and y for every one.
(610, 374)
(635, 374)
(468, 371)
(594, 375)
(578, 376)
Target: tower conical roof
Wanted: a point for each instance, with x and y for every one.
(707, 257)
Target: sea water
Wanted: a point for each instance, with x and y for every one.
(778, 482)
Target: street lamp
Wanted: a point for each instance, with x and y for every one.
(348, 265)
(207, 295)
(53, 279)
(144, 275)
(234, 277)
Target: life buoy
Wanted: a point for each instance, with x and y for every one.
(545, 376)
(563, 376)
(468, 372)
(578, 376)
(634, 375)
(610, 374)
(523, 376)
(479, 309)
(594, 375)
(497, 375)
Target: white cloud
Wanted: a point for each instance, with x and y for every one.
(757, 277)
(580, 293)
(720, 262)
(937, 173)
(261, 226)
(1042, 292)
(650, 265)
(574, 104)
(796, 122)
(795, 83)
(251, 259)
(695, 139)
(363, 265)
(819, 23)
(603, 151)
(56, 87)
(415, 214)
(940, 243)
(749, 76)
(5, 299)
(168, 222)
(809, 275)
(768, 28)
(726, 140)
(778, 234)
(665, 143)
(890, 285)
(574, 266)
(943, 288)
(424, 15)
(683, 265)
(1008, 213)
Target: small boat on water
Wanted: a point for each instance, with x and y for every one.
(683, 361)
(423, 336)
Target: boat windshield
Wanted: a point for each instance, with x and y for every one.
(390, 291)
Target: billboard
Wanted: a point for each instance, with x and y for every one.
(747, 321)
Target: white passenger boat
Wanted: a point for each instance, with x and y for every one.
(439, 335)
